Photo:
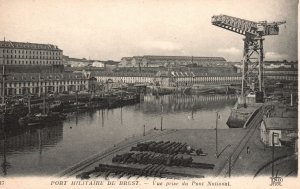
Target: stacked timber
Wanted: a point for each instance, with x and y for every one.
(104, 170)
(167, 148)
(159, 159)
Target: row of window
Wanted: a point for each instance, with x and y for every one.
(13, 91)
(125, 79)
(44, 83)
(33, 57)
(31, 52)
(277, 77)
(208, 78)
(29, 62)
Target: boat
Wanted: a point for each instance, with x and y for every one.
(211, 89)
(40, 119)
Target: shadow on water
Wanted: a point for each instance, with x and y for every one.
(17, 140)
(51, 148)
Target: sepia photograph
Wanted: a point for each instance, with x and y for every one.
(149, 93)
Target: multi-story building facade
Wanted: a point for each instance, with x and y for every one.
(37, 84)
(30, 57)
(122, 77)
(168, 79)
(18, 53)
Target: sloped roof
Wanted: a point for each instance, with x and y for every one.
(22, 45)
(127, 58)
(157, 57)
(279, 123)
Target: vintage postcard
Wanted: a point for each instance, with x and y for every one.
(149, 94)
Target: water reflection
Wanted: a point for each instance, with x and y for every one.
(52, 148)
(20, 140)
(183, 103)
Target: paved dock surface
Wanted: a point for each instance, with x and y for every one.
(196, 138)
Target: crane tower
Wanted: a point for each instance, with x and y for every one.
(252, 74)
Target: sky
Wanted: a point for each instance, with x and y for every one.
(112, 29)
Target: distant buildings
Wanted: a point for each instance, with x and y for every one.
(169, 78)
(270, 65)
(86, 64)
(76, 62)
(126, 62)
(98, 64)
(171, 61)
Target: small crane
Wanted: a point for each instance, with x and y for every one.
(252, 74)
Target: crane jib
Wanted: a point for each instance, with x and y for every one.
(244, 27)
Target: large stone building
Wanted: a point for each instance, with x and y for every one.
(171, 61)
(37, 84)
(30, 57)
(168, 78)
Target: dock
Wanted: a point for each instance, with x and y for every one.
(227, 155)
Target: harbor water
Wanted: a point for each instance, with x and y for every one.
(50, 149)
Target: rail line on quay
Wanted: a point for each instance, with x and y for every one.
(94, 158)
(231, 160)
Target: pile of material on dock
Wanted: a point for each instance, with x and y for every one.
(159, 159)
(158, 156)
(104, 170)
(167, 148)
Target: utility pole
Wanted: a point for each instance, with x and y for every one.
(273, 153)
(3, 76)
(217, 117)
(161, 118)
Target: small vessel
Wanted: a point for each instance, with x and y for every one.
(211, 89)
(40, 118)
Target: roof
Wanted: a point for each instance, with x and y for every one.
(23, 45)
(78, 60)
(121, 74)
(279, 123)
(110, 62)
(127, 58)
(183, 58)
(138, 57)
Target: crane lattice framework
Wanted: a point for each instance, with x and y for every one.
(252, 78)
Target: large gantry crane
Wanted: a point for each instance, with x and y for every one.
(252, 74)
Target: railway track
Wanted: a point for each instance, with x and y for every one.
(230, 162)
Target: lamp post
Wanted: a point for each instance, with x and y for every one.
(217, 117)
(273, 151)
(161, 118)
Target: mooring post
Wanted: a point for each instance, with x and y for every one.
(144, 131)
